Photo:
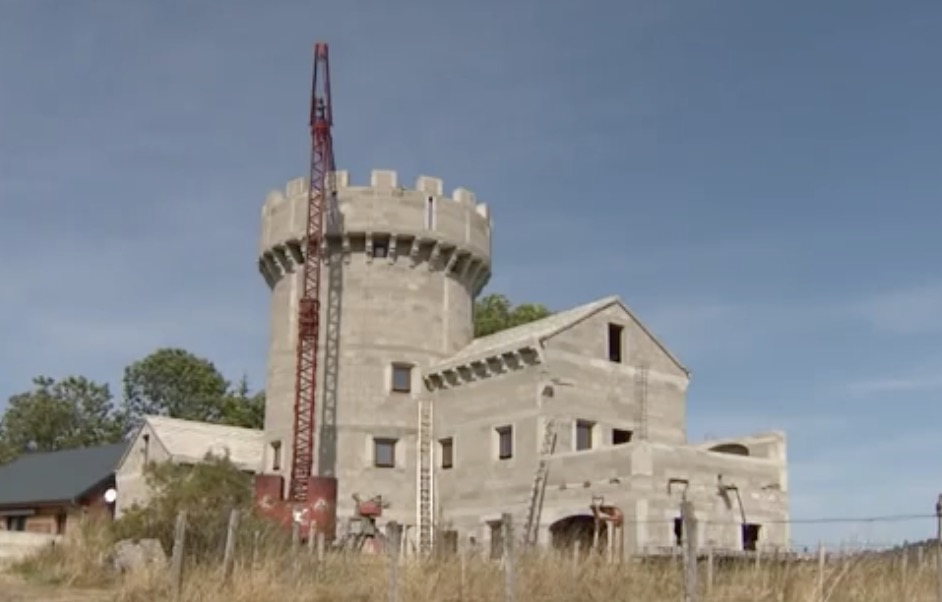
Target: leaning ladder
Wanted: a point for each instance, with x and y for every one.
(425, 492)
(534, 508)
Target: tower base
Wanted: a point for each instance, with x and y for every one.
(320, 508)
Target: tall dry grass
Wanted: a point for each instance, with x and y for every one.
(275, 573)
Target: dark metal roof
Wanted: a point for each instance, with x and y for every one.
(57, 476)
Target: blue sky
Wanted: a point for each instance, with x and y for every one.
(759, 181)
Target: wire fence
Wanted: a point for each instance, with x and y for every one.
(306, 562)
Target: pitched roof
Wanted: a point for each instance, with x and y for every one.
(539, 330)
(189, 440)
(57, 476)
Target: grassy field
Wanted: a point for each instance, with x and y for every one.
(77, 572)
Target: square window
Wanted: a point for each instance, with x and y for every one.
(448, 452)
(584, 434)
(505, 442)
(380, 248)
(614, 342)
(401, 378)
(621, 436)
(384, 452)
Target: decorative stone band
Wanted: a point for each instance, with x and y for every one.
(456, 374)
(456, 262)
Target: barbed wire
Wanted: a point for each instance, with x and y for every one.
(797, 521)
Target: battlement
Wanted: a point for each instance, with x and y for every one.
(413, 226)
(381, 181)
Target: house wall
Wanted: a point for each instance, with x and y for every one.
(130, 481)
(480, 485)
(610, 393)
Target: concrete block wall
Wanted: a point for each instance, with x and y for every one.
(130, 481)
(599, 389)
(399, 273)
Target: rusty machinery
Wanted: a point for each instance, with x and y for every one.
(311, 498)
(614, 519)
(362, 534)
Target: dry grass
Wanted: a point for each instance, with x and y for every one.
(277, 575)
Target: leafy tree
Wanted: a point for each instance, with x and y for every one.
(207, 491)
(494, 313)
(55, 415)
(174, 382)
(241, 408)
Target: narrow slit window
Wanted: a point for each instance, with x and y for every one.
(615, 332)
(505, 442)
(276, 455)
(430, 213)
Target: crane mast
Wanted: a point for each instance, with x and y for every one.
(309, 306)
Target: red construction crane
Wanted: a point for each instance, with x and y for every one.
(322, 162)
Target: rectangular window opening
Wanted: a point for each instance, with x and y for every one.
(584, 434)
(621, 436)
(678, 532)
(402, 378)
(615, 332)
(384, 452)
(448, 452)
(497, 539)
(276, 455)
(505, 442)
(750, 536)
(16, 523)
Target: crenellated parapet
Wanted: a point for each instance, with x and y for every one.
(387, 223)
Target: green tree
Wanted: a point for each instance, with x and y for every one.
(240, 407)
(174, 382)
(55, 415)
(207, 491)
(493, 313)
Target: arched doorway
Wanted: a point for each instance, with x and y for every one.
(577, 528)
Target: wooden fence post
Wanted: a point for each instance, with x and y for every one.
(463, 583)
(228, 558)
(312, 538)
(904, 575)
(691, 592)
(392, 541)
(320, 547)
(506, 524)
(822, 559)
(176, 563)
(938, 549)
(709, 573)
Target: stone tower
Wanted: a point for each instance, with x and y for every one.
(400, 272)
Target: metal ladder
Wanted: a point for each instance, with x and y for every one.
(641, 382)
(425, 469)
(535, 506)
